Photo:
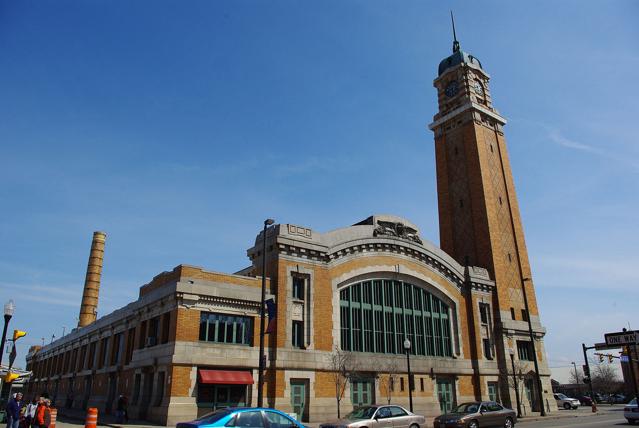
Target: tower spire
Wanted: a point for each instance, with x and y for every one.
(455, 42)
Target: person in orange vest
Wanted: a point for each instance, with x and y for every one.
(41, 413)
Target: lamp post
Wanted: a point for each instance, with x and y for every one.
(515, 383)
(540, 395)
(9, 307)
(410, 386)
(260, 376)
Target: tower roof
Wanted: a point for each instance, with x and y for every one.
(457, 58)
(458, 55)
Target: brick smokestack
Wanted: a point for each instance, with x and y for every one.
(89, 307)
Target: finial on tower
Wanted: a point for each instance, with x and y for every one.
(455, 42)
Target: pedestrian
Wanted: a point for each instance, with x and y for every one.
(13, 411)
(29, 413)
(121, 413)
(47, 412)
(40, 417)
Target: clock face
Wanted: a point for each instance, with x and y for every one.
(479, 88)
(451, 89)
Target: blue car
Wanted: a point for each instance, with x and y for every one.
(244, 417)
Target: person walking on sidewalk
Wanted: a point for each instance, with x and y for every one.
(13, 411)
(41, 414)
(29, 413)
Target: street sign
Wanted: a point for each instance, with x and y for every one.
(622, 338)
(603, 347)
(624, 358)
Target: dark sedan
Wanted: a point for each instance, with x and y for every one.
(477, 414)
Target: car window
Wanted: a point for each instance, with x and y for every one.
(493, 407)
(397, 412)
(209, 418)
(366, 412)
(248, 420)
(383, 412)
(275, 420)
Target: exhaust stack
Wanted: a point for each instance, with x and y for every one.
(89, 307)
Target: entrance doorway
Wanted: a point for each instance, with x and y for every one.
(362, 392)
(445, 395)
(299, 398)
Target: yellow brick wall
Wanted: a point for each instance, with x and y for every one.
(188, 325)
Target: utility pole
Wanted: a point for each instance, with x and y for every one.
(585, 349)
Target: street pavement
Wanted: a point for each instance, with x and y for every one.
(606, 417)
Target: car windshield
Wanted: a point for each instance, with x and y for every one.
(366, 412)
(633, 402)
(467, 408)
(213, 416)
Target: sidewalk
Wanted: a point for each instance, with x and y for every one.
(583, 411)
(107, 420)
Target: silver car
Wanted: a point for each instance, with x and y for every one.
(566, 402)
(390, 416)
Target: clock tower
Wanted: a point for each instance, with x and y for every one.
(480, 222)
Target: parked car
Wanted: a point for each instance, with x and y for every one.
(378, 416)
(631, 412)
(616, 398)
(566, 402)
(585, 400)
(254, 417)
(477, 414)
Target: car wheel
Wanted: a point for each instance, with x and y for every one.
(414, 426)
(631, 421)
(473, 424)
(508, 423)
(567, 406)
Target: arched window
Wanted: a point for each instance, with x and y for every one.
(377, 315)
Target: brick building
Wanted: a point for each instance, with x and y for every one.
(189, 344)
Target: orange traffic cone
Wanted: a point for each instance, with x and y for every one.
(92, 418)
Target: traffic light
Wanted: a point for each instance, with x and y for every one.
(17, 334)
(601, 358)
(10, 377)
(610, 357)
(586, 380)
(586, 370)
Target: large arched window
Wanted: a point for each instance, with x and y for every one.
(377, 315)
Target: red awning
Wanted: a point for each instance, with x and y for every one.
(225, 377)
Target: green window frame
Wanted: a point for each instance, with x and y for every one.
(224, 328)
(377, 315)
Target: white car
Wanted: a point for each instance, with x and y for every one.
(631, 412)
(566, 402)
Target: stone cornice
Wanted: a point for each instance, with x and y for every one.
(468, 106)
(403, 247)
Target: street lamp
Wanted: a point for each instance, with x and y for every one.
(9, 307)
(532, 344)
(410, 384)
(515, 383)
(260, 376)
(576, 376)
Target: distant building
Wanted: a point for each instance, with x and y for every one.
(189, 344)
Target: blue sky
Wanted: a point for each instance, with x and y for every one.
(177, 127)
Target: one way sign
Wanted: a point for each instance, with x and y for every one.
(622, 338)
